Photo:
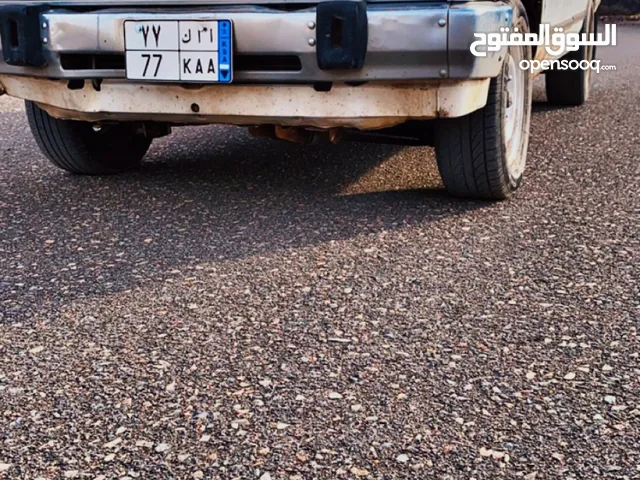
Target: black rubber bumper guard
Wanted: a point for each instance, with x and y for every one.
(342, 34)
(20, 33)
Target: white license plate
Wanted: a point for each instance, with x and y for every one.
(179, 50)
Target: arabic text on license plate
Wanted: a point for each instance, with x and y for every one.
(179, 50)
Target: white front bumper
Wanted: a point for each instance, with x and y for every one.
(369, 106)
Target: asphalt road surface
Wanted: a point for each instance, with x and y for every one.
(244, 308)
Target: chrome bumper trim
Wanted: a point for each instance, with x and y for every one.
(407, 41)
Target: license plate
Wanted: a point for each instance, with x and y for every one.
(179, 50)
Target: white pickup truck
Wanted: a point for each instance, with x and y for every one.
(102, 78)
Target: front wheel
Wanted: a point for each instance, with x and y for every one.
(482, 155)
(82, 147)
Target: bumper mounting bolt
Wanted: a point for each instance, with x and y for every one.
(44, 25)
(443, 73)
(311, 41)
(442, 22)
(311, 25)
(45, 41)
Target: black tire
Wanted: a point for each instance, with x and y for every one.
(474, 155)
(572, 87)
(79, 148)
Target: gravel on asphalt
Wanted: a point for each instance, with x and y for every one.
(242, 308)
